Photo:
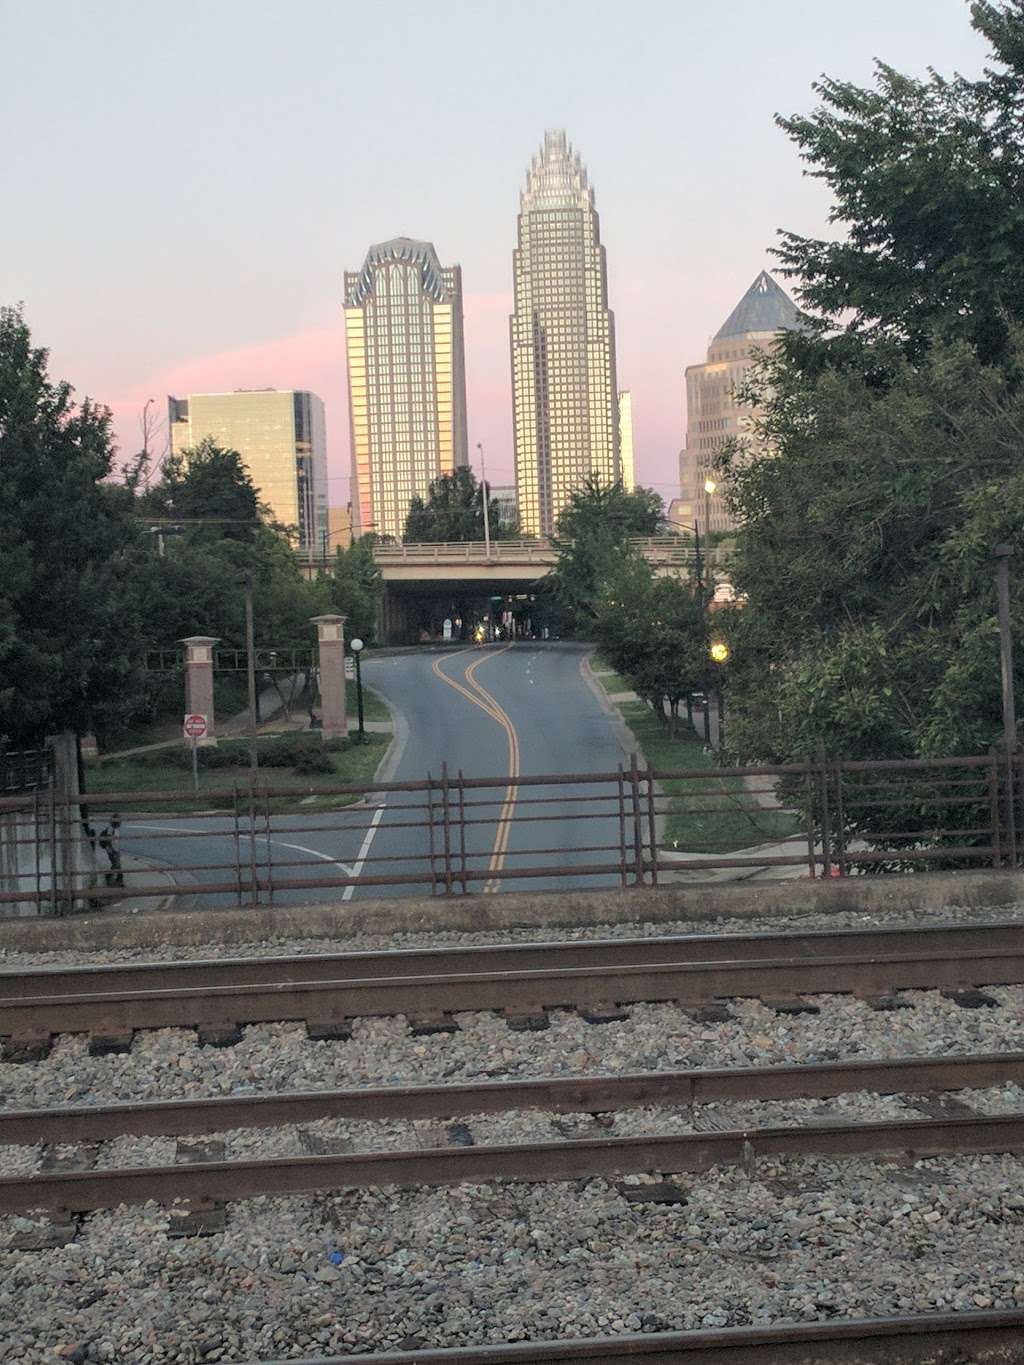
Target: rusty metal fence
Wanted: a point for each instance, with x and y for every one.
(252, 843)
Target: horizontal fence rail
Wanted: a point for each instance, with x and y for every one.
(451, 834)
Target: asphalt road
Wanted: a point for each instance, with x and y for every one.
(483, 711)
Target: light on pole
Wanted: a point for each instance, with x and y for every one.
(357, 649)
(486, 501)
(719, 653)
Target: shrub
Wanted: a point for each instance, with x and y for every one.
(314, 761)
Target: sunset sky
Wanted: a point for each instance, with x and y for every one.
(185, 184)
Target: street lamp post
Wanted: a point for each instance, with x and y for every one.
(486, 501)
(357, 650)
(719, 653)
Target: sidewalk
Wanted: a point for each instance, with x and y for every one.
(236, 726)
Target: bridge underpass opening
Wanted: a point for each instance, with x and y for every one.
(415, 613)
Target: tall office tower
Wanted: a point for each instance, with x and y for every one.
(626, 439)
(281, 437)
(406, 380)
(713, 412)
(563, 341)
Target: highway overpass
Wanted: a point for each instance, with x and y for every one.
(423, 583)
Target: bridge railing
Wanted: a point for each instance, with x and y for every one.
(244, 841)
(418, 552)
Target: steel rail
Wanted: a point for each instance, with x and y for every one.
(989, 1337)
(995, 937)
(83, 1191)
(689, 983)
(581, 1094)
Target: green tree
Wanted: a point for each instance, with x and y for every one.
(355, 586)
(206, 482)
(928, 183)
(652, 632)
(865, 562)
(895, 425)
(68, 548)
(592, 544)
(454, 512)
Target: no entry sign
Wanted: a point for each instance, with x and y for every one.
(195, 726)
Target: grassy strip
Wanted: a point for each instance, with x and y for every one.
(721, 822)
(162, 771)
(614, 682)
(373, 707)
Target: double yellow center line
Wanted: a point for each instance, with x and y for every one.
(488, 703)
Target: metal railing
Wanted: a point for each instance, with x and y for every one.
(450, 834)
(25, 770)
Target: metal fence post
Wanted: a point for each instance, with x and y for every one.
(638, 838)
(462, 833)
(993, 798)
(622, 829)
(238, 845)
(430, 827)
(254, 883)
(652, 825)
(840, 843)
(822, 773)
(447, 829)
(812, 860)
(267, 829)
(1011, 806)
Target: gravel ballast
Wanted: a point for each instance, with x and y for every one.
(170, 1063)
(801, 1240)
(363, 942)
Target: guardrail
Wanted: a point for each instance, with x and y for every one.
(452, 834)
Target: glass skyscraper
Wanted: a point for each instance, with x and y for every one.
(281, 437)
(406, 380)
(565, 410)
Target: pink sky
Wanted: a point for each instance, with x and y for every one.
(315, 359)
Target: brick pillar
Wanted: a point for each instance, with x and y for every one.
(199, 681)
(330, 638)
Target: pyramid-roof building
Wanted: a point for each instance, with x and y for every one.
(765, 307)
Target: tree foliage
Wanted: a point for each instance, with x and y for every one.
(928, 185)
(68, 616)
(454, 512)
(896, 426)
(206, 483)
(592, 545)
(651, 632)
(355, 588)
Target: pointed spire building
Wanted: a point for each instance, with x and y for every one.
(713, 413)
(562, 333)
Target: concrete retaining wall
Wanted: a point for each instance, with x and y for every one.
(893, 895)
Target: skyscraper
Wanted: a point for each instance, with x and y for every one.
(281, 437)
(713, 412)
(626, 440)
(406, 380)
(563, 340)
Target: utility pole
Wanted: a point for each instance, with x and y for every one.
(250, 664)
(486, 501)
(1001, 554)
(702, 610)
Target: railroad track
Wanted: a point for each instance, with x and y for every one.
(202, 1184)
(590, 1095)
(985, 1338)
(206, 1182)
(326, 992)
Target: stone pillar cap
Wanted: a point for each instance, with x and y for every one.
(199, 640)
(330, 616)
